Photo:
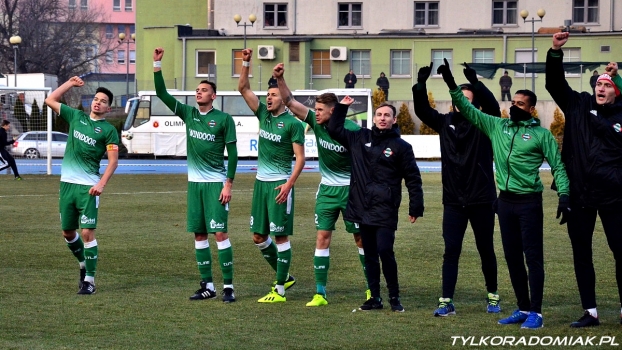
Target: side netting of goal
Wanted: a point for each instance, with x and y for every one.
(31, 125)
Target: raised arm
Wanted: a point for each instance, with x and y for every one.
(299, 110)
(336, 128)
(428, 115)
(486, 99)
(244, 86)
(53, 100)
(555, 76)
(158, 79)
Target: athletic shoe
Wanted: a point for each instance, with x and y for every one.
(368, 294)
(372, 304)
(445, 308)
(534, 321)
(288, 284)
(272, 297)
(515, 317)
(82, 276)
(227, 295)
(396, 305)
(87, 288)
(493, 301)
(587, 320)
(18, 178)
(318, 300)
(203, 293)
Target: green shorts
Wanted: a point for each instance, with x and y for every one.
(268, 217)
(205, 212)
(78, 209)
(329, 202)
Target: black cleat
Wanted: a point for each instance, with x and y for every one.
(372, 304)
(227, 295)
(396, 305)
(87, 288)
(82, 276)
(203, 293)
(587, 320)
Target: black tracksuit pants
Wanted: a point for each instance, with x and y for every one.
(520, 220)
(9, 159)
(581, 224)
(378, 242)
(455, 220)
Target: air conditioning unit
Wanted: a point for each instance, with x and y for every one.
(338, 53)
(265, 52)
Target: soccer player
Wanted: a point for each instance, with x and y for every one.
(593, 157)
(90, 137)
(281, 136)
(208, 132)
(519, 146)
(332, 194)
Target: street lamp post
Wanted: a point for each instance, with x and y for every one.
(524, 14)
(251, 18)
(129, 40)
(15, 41)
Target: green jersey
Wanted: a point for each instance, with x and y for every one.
(86, 145)
(334, 159)
(206, 137)
(276, 135)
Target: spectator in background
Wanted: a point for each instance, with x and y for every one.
(593, 80)
(350, 80)
(383, 84)
(4, 141)
(506, 84)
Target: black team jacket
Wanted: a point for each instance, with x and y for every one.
(592, 147)
(4, 139)
(466, 153)
(380, 160)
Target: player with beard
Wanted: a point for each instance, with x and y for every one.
(281, 136)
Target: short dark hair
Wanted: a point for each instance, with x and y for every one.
(387, 105)
(328, 99)
(208, 83)
(533, 99)
(5, 122)
(272, 86)
(107, 92)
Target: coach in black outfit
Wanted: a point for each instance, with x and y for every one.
(5, 141)
(468, 184)
(380, 160)
(592, 154)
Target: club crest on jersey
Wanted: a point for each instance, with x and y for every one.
(388, 152)
(211, 123)
(98, 130)
(526, 137)
(617, 127)
(280, 125)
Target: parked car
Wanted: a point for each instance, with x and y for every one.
(34, 144)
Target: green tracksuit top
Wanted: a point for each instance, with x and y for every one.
(518, 149)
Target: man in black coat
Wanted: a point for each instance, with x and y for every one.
(4, 141)
(380, 160)
(468, 184)
(592, 153)
(383, 84)
(350, 79)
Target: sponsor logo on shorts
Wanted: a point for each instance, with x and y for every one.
(275, 228)
(87, 221)
(388, 152)
(214, 224)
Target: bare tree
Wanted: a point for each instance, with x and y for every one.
(56, 39)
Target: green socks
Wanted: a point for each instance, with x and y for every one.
(77, 247)
(269, 251)
(225, 257)
(284, 261)
(90, 256)
(204, 260)
(321, 263)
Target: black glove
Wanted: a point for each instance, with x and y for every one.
(424, 73)
(563, 208)
(445, 71)
(470, 74)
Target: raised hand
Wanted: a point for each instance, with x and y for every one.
(247, 54)
(445, 71)
(470, 74)
(424, 73)
(560, 39)
(76, 81)
(347, 100)
(158, 53)
(612, 68)
(278, 70)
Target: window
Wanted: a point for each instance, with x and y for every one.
(400, 63)
(121, 29)
(206, 61)
(572, 55)
(483, 56)
(524, 56)
(109, 31)
(109, 57)
(121, 57)
(237, 64)
(72, 4)
(294, 51)
(438, 57)
(321, 63)
(361, 63)
(132, 29)
(116, 5)
(84, 4)
(585, 11)
(504, 12)
(132, 56)
(350, 15)
(128, 5)
(275, 15)
(426, 13)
